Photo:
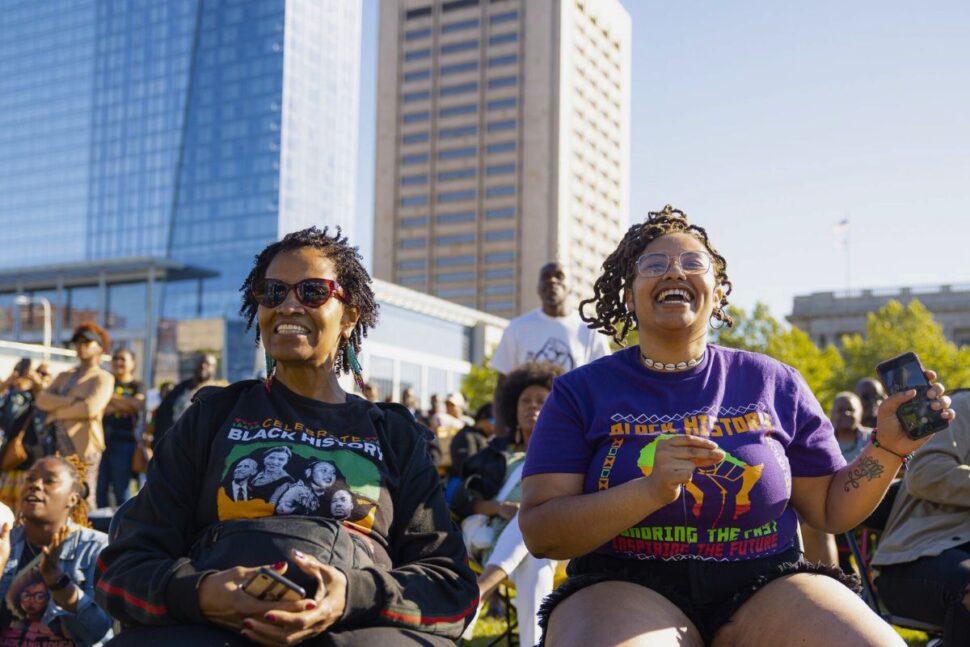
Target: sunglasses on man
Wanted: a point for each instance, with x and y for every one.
(313, 293)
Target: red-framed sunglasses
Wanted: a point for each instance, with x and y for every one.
(312, 293)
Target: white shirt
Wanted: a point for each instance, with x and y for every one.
(535, 336)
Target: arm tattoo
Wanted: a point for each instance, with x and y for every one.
(868, 468)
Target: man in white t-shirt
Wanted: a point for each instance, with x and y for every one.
(551, 333)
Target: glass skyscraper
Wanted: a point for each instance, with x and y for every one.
(192, 130)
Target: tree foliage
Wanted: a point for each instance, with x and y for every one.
(479, 385)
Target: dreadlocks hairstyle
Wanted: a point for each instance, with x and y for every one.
(350, 274)
(529, 374)
(78, 470)
(619, 272)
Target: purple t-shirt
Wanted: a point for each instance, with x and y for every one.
(603, 419)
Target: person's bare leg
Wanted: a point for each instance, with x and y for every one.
(619, 614)
(806, 609)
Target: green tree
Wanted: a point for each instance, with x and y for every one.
(479, 385)
(762, 333)
(895, 329)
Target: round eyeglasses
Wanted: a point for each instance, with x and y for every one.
(313, 293)
(657, 263)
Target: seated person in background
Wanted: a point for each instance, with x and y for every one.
(405, 581)
(846, 417)
(923, 556)
(48, 563)
(491, 491)
(453, 417)
(472, 439)
(871, 393)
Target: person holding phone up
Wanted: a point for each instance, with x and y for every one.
(669, 473)
(353, 472)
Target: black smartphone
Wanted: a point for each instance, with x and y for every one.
(271, 586)
(917, 417)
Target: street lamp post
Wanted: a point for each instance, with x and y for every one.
(23, 300)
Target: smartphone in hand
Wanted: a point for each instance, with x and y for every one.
(271, 586)
(917, 417)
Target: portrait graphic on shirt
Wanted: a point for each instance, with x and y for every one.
(271, 478)
(26, 601)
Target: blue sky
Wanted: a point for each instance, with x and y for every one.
(768, 123)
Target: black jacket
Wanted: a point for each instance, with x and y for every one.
(145, 576)
(482, 476)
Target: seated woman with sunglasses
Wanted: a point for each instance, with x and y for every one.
(670, 472)
(313, 303)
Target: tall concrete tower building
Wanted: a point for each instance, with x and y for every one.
(502, 144)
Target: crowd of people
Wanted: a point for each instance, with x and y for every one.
(694, 490)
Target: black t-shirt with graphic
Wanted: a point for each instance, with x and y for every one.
(121, 426)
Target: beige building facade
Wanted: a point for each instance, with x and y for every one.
(502, 144)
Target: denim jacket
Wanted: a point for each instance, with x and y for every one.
(90, 625)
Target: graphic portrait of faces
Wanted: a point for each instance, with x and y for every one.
(341, 504)
(33, 599)
(275, 459)
(321, 475)
(245, 470)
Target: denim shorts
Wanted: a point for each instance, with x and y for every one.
(707, 592)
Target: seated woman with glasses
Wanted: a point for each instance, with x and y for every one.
(670, 472)
(393, 572)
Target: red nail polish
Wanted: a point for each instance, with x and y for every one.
(279, 566)
(310, 606)
(271, 619)
(247, 624)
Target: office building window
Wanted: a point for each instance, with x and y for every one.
(457, 153)
(448, 277)
(501, 234)
(415, 138)
(417, 54)
(457, 174)
(416, 221)
(416, 117)
(499, 104)
(455, 239)
(500, 18)
(420, 95)
(499, 191)
(452, 218)
(502, 82)
(498, 61)
(502, 288)
(414, 264)
(500, 169)
(501, 273)
(456, 196)
(500, 39)
(414, 200)
(497, 214)
(417, 158)
(458, 4)
(454, 111)
(459, 131)
(416, 34)
(414, 279)
(417, 75)
(459, 26)
(412, 180)
(498, 306)
(499, 126)
(413, 243)
(461, 88)
(450, 293)
(460, 46)
(458, 68)
(452, 261)
(501, 147)
(500, 257)
(417, 13)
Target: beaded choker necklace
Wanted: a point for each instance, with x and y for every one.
(679, 366)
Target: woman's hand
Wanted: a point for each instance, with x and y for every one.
(312, 617)
(224, 602)
(50, 563)
(493, 508)
(891, 434)
(674, 462)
